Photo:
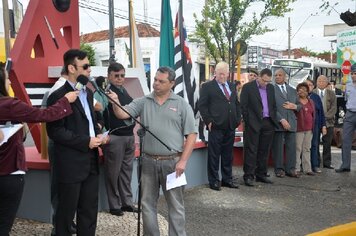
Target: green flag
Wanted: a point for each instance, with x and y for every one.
(166, 50)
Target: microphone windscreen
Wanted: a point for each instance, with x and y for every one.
(107, 89)
(82, 79)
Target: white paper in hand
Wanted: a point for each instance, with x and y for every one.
(9, 131)
(174, 182)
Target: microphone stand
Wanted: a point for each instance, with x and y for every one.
(141, 133)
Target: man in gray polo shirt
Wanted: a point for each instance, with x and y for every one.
(171, 119)
(349, 125)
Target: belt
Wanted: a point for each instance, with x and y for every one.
(163, 157)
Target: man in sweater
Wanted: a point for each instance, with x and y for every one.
(119, 152)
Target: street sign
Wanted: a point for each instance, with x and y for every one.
(346, 67)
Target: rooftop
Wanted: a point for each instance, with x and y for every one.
(144, 31)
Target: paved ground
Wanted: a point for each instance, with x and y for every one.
(287, 207)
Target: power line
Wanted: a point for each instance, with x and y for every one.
(121, 16)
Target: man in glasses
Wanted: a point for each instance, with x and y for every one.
(258, 106)
(119, 152)
(349, 126)
(76, 140)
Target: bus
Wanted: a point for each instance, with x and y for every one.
(298, 70)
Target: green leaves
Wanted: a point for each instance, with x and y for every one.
(90, 51)
(226, 21)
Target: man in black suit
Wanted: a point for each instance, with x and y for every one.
(220, 110)
(258, 106)
(75, 144)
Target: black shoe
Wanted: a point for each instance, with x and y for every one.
(130, 209)
(249, 182)
(117, 212)
(73, 228)
(229, 185)
(328, 167)
(340, 170)
(215, 187)
(263, 180)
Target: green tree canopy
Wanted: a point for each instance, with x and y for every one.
(90, 51)
(226, 21)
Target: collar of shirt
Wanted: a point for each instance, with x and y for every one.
(280, 86)
(260, 86)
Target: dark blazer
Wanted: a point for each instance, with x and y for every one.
(216, 109)
(283, 113)
(71, 139)
(251, 105)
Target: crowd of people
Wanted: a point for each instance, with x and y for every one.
(276, 118)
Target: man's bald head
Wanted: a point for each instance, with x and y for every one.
(322, 82)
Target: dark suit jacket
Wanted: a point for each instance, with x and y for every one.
(283, 113)
(251, 105)
(216, 109)
(71, 139)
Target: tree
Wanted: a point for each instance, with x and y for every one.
(90, 51)
(226, 21)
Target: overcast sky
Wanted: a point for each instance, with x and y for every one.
(310, 34)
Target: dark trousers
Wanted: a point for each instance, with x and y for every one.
(314, 150)
(327, 139)
(257, 145)
(11, 188)
(80, 198)
(284, 141)
(220, 145)
(54, 184)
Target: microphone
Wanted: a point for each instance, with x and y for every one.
(107, 89)
(82, 80)
(92, 81)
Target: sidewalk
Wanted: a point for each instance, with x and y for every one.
(108, 225)
(287, 207)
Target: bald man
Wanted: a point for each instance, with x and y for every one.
(285, 135)
(220, 110)
(328, 99)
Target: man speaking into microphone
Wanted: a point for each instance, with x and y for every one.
(76, 139)
(119, 152)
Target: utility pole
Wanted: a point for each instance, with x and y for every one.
(111, 32)
(289, 37)
(207, 63)
(6, 17)
(130, 30)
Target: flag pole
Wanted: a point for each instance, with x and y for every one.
(111, 32)
(131, 33)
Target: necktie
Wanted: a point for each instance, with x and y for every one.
(227, 95)
(284, 91)
(322, 94)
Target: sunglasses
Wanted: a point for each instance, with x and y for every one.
(120, 75)
(85, 66)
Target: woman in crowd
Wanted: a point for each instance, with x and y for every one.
(305, 123)
(12, 153)
(319, 126)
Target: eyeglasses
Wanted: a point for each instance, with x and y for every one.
(85, 66)
(119, 75)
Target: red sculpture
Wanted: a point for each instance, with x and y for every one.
(44, 36)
